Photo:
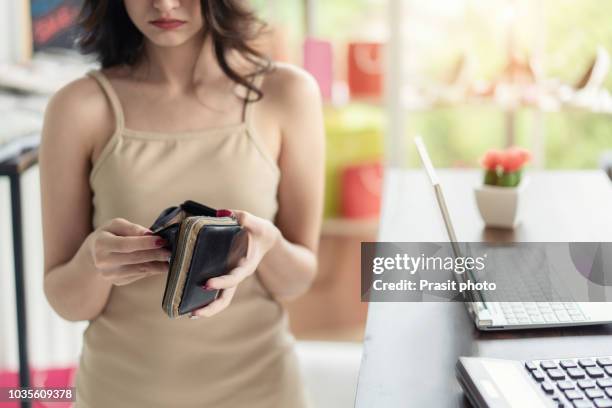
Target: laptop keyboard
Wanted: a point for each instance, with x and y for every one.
(525, 277)
(541, 312)
(535, 300)
(574, 382)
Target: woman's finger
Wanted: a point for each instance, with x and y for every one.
(114, 243)
(249, 222)
(240, 216)
(157, 267)
(123, 227)
(138, 257)
(137, 270)
(134, 277)
(223, 282)
(217, 305)
(245, 268)
(126, 281)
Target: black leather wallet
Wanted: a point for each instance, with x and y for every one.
(203, 245)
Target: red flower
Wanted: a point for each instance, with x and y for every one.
(491, 159)
(514, 158)
(524, 153)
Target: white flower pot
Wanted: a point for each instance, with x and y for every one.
(500, 207)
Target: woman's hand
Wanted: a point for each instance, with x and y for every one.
(123, 252)
(262, 235)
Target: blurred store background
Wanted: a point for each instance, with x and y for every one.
(468, 75)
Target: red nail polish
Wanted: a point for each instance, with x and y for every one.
(160, 242)
(224, 213)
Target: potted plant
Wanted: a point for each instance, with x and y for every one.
(498, 198)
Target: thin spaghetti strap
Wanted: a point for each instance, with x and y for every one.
(119, 122)
(111, 95)
(252, 132)
(247, 107)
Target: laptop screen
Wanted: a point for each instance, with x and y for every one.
(471, 296)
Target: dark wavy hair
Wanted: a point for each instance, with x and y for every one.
(108, 32)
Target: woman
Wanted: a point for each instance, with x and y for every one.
(183, 108)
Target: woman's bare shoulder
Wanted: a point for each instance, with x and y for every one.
(288, 83)
(291, 92)
(80, 106)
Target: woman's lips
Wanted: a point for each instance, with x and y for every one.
(167, 24)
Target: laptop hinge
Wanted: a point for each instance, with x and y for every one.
(481, 314)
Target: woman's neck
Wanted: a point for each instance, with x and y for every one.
(180, 67)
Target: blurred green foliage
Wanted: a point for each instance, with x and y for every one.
(459, 136)
(563, 35)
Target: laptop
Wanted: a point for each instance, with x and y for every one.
(566, 382)
(490, 315)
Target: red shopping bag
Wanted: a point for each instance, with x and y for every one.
(365, 70)
(361, 187)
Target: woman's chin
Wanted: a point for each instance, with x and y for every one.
(168, 40)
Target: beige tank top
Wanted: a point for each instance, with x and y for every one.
(135, 356)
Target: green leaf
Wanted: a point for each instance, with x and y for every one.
(509, 179)
(490, 177)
